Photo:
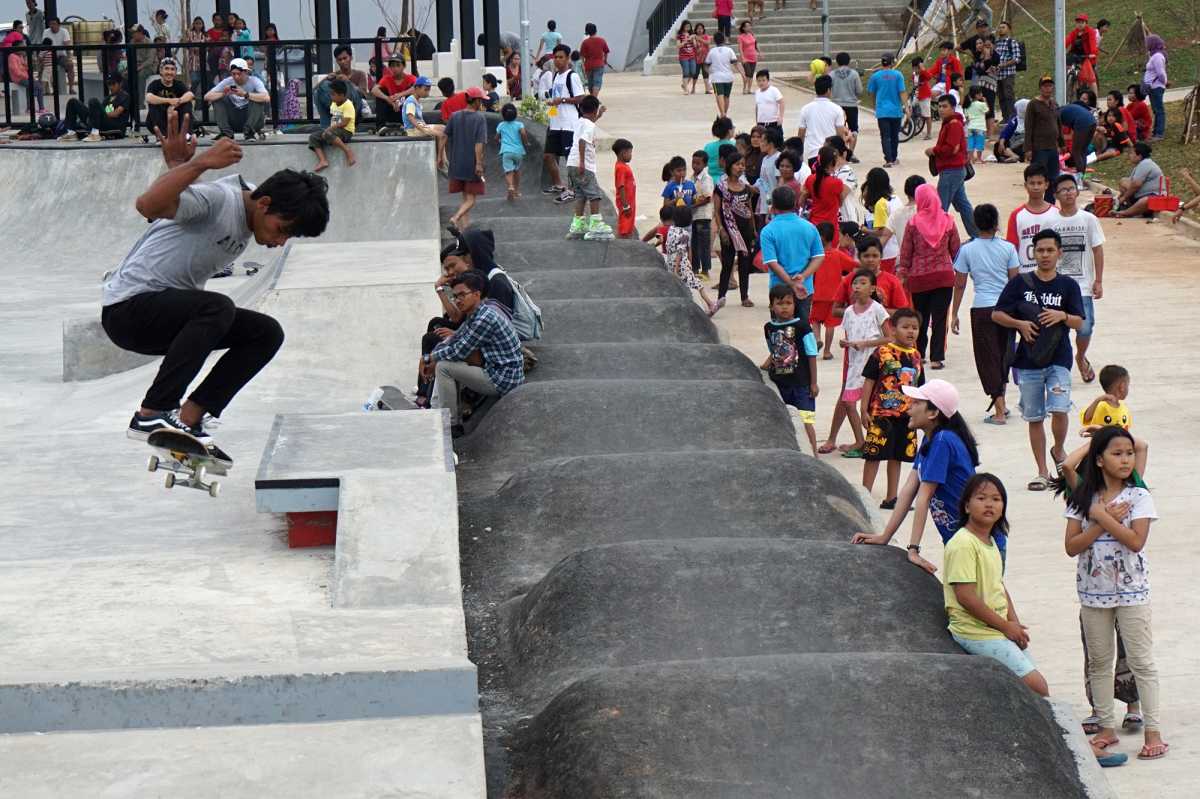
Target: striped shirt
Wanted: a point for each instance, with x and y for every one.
(489, 331)
(1007, 49)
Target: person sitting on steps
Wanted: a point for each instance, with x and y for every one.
(98, 118)
(239, 102)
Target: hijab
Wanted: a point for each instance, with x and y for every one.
(1155, 44)
(930, 220)
(1020, 107)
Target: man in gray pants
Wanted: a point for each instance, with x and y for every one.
(239, 102)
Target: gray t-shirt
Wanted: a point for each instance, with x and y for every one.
(252, 86)
(1149, 174)
(464, 130)
(847, 86)
(208, 233)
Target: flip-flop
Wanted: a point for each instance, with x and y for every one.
(937, 365)
(994, 420)
(852, 453)
(1090, 375)
(827, 356)
(1110, 759)
(1091, 725)
(1133, 721)
(1038, 483)
(1104, 744)
(1162, 749)
(825, 449)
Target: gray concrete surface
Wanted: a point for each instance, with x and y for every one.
(549, 254)
(600, 284)
(589, 321)
(642, 360)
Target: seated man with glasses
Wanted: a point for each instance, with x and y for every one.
(239, 102)
(483, 354)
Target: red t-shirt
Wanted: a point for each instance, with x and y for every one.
(887, 286)
(828, 277)
(1139, 112)
(214, 34)
(825, 207)
(723, 8)
(393, 87)
(594, 51)
(924, 80)
(624, 179)
(453, 104)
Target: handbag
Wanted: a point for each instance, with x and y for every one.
(933, 170)
(1043, 348)
(969, 173)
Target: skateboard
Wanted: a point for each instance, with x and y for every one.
(186, 461)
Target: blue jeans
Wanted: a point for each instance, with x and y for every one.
(1160, 112)
(952, 190)
(889, 137)
(1049, 159)
(1046, 390)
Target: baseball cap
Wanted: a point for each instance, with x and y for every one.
(1081, 17)
(938, 393)
(979, 23)
(886, 59)
(476, 93)
(239, 63)
(423, 81)
(168, 62)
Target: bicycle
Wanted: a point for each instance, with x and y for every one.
(913, 124)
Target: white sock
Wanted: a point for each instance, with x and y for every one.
(95, 131)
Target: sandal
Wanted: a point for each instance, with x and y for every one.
(994, 420)
(1132, 722)
(828, 356)
(1154, 751)
(1091, 725)
(825, 448)
(888, 504)
(747, 303)
(1110, 759)
(852, 453)
(937, 365)
(1090, 374)
(1101, 743)
(1039, 483)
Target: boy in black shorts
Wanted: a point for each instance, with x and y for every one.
(792, 359)
(885, 406)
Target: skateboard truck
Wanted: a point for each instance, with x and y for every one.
(193, 477)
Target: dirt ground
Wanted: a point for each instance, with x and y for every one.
(1142, 324)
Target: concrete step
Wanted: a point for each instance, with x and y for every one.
(417, 757)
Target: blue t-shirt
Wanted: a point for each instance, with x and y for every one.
(1076, 116)
(792, 242)
(411, 106)
(987, 261)
(685, 191)
(550, 40)
(510, 137)
(943, 459)
(713, 149)
(1020, 301)
(886, 85)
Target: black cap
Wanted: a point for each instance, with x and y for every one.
(887, 59)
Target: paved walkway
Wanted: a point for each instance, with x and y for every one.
(1149, 292)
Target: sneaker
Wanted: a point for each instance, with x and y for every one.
(93, 137)
(226, 272)
(140, 427)
(217, 453)
(598, 230)
(578, 229)
(554, 190)
(69, 136)
(567, 196)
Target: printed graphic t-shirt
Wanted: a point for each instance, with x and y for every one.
(790, 344)
(1080, 233)
(892, 367)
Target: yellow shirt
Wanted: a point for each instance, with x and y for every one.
(1106, 415)
(343, 111)
(966, 559)
(879, 214)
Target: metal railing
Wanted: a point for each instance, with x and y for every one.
(661, 21)
(137, 64)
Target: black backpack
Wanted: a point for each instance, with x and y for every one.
(1022, 63)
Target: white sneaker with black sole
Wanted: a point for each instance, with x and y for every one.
(140, 427)
(566, 197)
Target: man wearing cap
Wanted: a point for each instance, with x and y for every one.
(166, 92)
(239, 102)
(390, 92)
(1043, 136)
(891, 106)
(1083, 46)
(466, 134)
(414, 118)
(355, 80)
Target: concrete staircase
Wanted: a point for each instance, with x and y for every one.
(788, 39)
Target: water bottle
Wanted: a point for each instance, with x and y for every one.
(372, 402)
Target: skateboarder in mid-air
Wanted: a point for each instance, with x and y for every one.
(155, 302)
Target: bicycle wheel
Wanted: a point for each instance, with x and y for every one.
(910, 127)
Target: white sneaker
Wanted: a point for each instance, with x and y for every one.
(69, 136)
(93, 137)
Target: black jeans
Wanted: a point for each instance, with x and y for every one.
(934, 306)
(889, 136)
(1049, 159)
(386, 115)
(744, 264)
(725, 26)
(185, 326)
(81, 118)
(702, 246)
(156, 116)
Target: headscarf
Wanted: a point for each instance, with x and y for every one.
(1020, 107)
(1155, 44)
(930, 220)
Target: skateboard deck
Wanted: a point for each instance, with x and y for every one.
(186, 461)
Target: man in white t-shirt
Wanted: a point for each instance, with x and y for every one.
(768, 101)
(1082, 260)
(720, 60)
(60, 36)
(239, 102)
(581, 173)
(820, 119)
(566, 92)
(1035, 215)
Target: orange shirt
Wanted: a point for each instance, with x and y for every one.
(624, 179)
(830, 274)
(887, 286)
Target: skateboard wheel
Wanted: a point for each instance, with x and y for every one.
(214, 489)
(152, 464)
(170, 481)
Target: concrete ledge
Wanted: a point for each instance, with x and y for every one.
(417, 757)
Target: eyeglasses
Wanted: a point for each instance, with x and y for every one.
(458, 295)
(1066, 188)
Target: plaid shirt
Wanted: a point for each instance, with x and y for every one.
(1008, 49)
(489, 331)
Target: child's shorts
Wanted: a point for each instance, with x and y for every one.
(583, 183)
(800, 398)
(852, 394)
(459, 186)
(889, 439)
(925, 107)
(999, 649)
(822, 313)
(511, 162)
(975, 140)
